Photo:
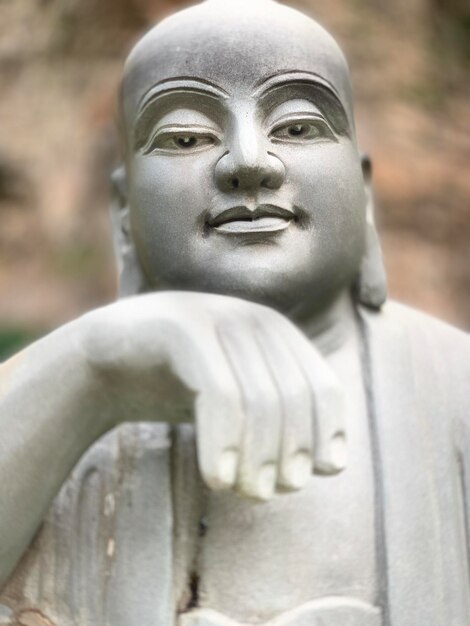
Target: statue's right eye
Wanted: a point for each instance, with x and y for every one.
(186, 141)
(174, 140)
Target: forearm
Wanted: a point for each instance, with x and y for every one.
(48, 418)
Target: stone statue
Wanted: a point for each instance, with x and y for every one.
(249, 435)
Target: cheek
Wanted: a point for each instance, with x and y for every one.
(168, 197)
(170, 189)
(328, 184)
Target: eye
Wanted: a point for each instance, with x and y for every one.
(187, 143)
(175, 140)
(302, 131)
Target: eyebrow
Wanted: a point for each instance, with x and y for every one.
(171, 88)
(181, 84)
(327, 94)
(294, 76)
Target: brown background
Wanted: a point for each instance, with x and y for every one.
(60, 62)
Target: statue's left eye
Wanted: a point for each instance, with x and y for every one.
(306, 130)
(301, 130)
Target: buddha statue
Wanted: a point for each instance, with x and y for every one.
(251, 434)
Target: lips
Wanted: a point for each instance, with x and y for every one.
(265, 218)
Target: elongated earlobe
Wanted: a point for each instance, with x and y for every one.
(371, 284)
(130, 275)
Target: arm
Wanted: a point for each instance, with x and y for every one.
(48, 418)
(266, 406)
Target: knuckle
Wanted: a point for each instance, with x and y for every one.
(222, 389)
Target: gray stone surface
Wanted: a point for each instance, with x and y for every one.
(249, 435)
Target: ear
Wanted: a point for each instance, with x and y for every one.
(131, 277)
(371, 284)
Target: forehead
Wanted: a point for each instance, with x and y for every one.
(235, 46)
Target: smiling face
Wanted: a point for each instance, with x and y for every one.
(244, 177)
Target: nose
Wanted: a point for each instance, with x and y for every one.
(248, 165)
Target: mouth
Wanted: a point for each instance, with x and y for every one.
(265, 218)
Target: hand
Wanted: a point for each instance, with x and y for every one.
(268, 409)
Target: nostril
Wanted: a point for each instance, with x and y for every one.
(235, 183)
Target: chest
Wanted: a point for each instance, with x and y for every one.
(258, 560)
(134, 536)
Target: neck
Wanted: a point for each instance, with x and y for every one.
(330, 328)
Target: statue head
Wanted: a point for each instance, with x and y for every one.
(242, 174)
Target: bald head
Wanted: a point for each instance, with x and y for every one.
(243, 174)
(235, 45)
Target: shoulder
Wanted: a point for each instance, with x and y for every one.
(440, 353)
(421, 326)
(427, 332)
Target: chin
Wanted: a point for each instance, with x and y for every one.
(283, 289)
(300, 285)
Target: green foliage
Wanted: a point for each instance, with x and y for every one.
(14, 339)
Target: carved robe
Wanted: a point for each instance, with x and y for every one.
(111, 552)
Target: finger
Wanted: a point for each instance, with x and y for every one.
(262, 409)
(203, 365)
(296, 447)
(328, 399)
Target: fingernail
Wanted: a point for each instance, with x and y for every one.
(266, 481)
(338, 451)
(335, 457)
(228, 466)
(299, 470)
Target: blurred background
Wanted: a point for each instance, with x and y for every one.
(60, 62)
